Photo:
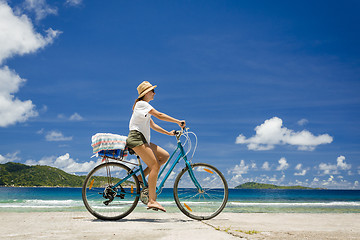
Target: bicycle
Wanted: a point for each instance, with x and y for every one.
(111, 190)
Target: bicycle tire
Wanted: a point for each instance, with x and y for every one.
(96, 193)
(201, 205)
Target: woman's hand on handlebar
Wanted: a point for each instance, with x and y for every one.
(182, 124)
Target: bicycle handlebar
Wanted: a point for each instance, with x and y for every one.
(185, 131)
(180, 132)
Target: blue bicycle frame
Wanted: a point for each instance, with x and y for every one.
(181, 154)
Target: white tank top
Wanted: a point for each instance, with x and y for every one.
(140, 119)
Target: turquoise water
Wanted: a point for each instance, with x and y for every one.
(304, 201)
(240, 200)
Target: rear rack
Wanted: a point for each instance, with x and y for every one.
(117, 155)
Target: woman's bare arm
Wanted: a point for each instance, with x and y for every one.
(159, 129)
(167, 118)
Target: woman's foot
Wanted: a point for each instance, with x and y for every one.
(155, 206)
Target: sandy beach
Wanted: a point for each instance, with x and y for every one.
(154, 225)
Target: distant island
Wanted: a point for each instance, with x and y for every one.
(21, 175)
(254, 185)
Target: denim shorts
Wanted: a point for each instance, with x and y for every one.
(135, 138)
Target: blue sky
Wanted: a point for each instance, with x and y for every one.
(270, 88)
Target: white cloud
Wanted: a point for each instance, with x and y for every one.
(275, 180)
(298, 167)
(333, 183)
(17, 37)
(41, 131)
(302, 171)
(334, 169)
(65, 163)
(283, 165)
(61, 116)
(40, 8)
(55, 136)
(10, 157)
(240, 169)
(272, 132)
(328, 168)
(17, 34)
(253, 165)
(170, 146)
(331, 178)
(266, 166)
(73, 2)
(299, 183)
(341, 163)
(76, 117)
(13, 110)
(302, 122)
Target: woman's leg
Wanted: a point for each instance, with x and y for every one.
(147, 155)
(161, 154)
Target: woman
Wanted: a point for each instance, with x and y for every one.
(139, 138)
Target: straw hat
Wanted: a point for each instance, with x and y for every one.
(144, 88)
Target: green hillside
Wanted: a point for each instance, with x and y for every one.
(16, 174)
(254, 185)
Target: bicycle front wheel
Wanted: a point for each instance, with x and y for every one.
(201, 192)
(102, 195)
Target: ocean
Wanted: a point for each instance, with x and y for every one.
(46, 199)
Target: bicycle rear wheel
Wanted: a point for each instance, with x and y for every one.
(105, 201)
(196, 203)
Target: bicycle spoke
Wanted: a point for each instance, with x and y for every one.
(105, 201)
(205, 203)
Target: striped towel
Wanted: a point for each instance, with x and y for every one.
(107, 141)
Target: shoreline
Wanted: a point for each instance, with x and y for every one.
(300, 189)
(155, 225)
(38, 187)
